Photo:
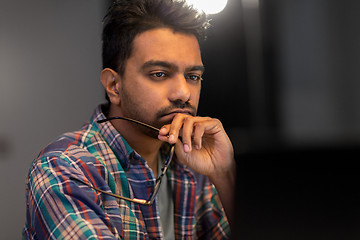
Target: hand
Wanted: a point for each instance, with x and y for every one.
(205, 146)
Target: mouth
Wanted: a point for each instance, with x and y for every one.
(172, 114)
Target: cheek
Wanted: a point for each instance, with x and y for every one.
(195, 95)
(150, 93)
(150, 97)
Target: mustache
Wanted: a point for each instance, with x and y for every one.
(178, 105)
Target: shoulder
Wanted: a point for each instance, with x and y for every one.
(72, 155)
(69, 148)
(68, 141)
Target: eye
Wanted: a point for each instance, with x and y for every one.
(158, 75)
(193, 77)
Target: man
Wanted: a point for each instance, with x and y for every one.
(152, 75)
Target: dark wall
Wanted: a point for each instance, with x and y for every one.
(224, 92)
(297, 129)
(286, 71)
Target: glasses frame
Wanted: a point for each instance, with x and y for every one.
(164, 169)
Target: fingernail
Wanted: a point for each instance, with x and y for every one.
(162, 130)
(171, 138)
(186, 148)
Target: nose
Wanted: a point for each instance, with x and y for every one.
(179, 90)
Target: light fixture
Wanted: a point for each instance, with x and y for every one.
(209, 6)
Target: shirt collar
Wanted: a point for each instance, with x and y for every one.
(117, 143)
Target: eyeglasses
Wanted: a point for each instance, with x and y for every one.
(168, 160)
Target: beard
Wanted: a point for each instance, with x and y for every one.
(134, 109)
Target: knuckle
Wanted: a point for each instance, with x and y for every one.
(188, 119)
(217, 121)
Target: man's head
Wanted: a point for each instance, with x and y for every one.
(152, 60)
(128, 18)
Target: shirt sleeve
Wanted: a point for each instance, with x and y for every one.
(212, 222)
(61, 208)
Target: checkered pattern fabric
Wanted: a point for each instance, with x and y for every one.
(61, 208)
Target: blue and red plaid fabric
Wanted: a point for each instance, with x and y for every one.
(61, 208)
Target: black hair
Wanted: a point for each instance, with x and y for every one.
(128, 18)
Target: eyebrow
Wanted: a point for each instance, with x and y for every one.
(200, 68)
(153, 63)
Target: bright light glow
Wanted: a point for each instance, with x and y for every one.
(209, 6)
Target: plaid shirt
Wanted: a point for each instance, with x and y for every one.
(58, 207)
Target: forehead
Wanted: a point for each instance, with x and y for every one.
(164, 44)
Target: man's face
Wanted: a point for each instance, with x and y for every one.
(162, 77)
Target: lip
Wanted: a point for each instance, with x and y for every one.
(172, 114)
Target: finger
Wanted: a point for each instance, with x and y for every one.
(199, 131)
(181, 156)
(206, 127)
(164, 130)
(164, 133)
(175, 127)
(187, 133)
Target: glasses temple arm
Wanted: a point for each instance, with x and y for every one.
(159, 179)
(130, 120)
(135, 200)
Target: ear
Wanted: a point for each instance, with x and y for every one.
(110, 80)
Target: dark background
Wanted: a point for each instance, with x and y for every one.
(298, 193)
(284, 69)
(284, 79)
